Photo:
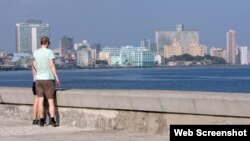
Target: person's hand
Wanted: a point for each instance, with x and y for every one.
(57, 81)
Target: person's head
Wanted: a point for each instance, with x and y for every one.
(45, 41)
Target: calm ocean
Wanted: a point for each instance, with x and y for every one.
(213, 79)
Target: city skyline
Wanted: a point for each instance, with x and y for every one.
(118, 23)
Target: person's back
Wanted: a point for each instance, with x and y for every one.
(45, 77)
(43, 57)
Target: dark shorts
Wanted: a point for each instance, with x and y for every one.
(34, 88)
(45, 88)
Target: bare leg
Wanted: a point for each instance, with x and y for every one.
(51, 107)
(40, 107)
(52, 110)
(35, 108)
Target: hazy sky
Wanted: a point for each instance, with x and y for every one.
(126, 22)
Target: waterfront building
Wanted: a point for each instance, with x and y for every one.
(105, 55)
(166, 38)
(159, 60)
(97, 48)
(2, 54)
(116, 61)
(137, 57)
(66, 46)
(84, 57)
(129, 56)
(113, 50)
(243, 53)
(28, 35)
(205, 49)
(174, 49)
(218, 52)
(195, 49)
(231, 47)
(112, 55)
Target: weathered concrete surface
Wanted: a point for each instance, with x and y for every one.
(133, 111)
(202, 103)
(117, 120)
(20, 130)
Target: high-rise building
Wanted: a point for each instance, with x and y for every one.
(185, 38)
(28, 35)
(243, 55)
(231, 47)
(66, 46)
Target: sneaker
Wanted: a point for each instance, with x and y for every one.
(53, 123)
(41, 122)
(35, 121)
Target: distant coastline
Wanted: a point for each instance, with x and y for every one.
(111, 67)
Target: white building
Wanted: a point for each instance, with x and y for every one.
(28, 35)
(2, 53)
(137, 57)
(243, 55)
(84, 57)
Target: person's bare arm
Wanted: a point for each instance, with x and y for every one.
(34, 68)
(53, 69)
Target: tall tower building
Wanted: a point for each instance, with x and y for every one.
(231, 47)
(28, 35)
(66, 46)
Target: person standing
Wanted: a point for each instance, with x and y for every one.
(46, 76)
(35, 104)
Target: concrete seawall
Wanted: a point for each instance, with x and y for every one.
(143, 111)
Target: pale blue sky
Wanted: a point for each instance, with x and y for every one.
(126, 22)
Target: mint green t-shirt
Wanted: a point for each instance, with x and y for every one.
(42, 58)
